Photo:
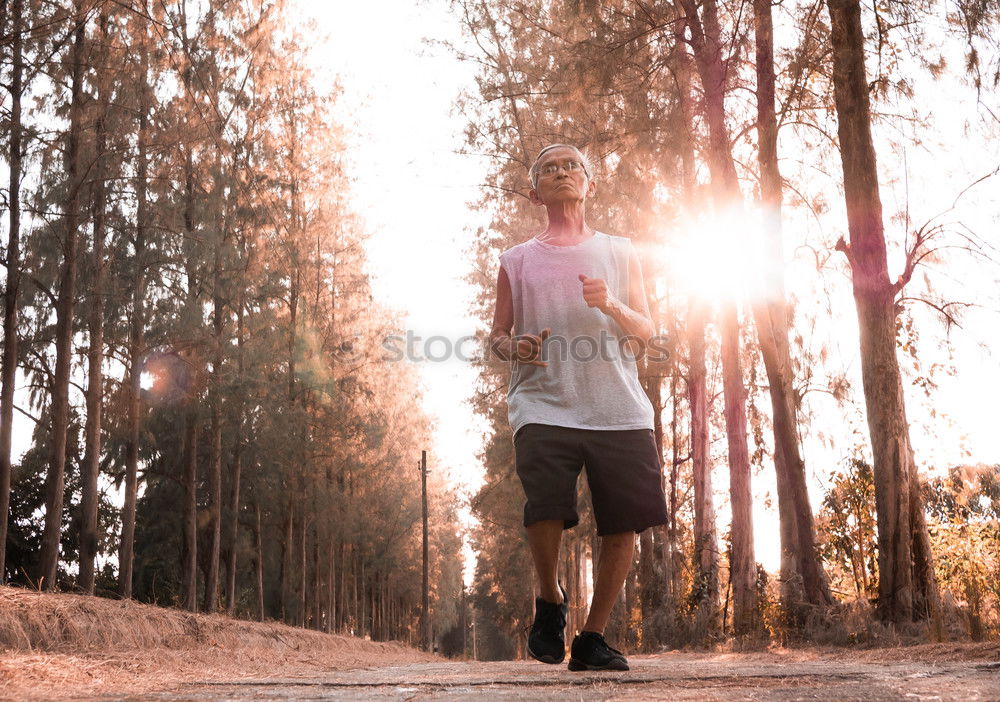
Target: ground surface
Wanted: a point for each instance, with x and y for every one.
(674, 676)
(60, 647)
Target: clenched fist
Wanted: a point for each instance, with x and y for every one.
(528, 348)
(595, 293)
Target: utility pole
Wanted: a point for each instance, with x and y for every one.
(425, 623)
(465, 626)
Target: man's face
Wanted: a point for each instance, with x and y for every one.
(561, 178)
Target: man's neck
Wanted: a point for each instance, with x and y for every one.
(567, 225)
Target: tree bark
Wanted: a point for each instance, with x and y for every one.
(672, 567)
(303, 613)
(218, 325)
(706, 41)
(802, 577)
(237, 473)
(331, 602)
(706, 553)
(743, 565)
(95, 354)
(286, 563)
(136, 334)
(258, 546)
(907, 585)
(190, 482)
(8, 373)
(654, 590)
(56, 479)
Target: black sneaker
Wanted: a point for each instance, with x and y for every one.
(591, 652)
(547, 640)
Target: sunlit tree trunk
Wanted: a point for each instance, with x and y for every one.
(802, 576)
(907, 585)
(706, 553)
(655, 593)
(673, 568)
(706, 42)
(56, 479)
(742, 566)
(8, 374)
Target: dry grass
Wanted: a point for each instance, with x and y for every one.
(54, 644)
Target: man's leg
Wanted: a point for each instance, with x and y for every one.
(612, 569)
(544, 538)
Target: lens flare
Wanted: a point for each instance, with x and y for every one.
(717, 257)
(167, 377)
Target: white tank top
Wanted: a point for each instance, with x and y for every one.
(592, 380)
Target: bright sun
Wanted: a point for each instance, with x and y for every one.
(717, 257)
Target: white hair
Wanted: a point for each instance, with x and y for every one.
(588, 167)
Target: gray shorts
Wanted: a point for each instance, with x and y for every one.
(623, 472)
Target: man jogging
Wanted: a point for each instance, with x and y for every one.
(574, 299)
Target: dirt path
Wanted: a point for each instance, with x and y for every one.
(664, 677)
(84, 648)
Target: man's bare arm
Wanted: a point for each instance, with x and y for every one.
(527, 348)
(503, 319)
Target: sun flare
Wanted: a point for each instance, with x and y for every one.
(717, 257)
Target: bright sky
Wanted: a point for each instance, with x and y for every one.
(412, 189)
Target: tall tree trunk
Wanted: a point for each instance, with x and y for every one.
(743, 565)
(653, 591)
(234, 504)
(331, 575)
(56, 479)
(189, 480)
(211, 601)
(907, 585)
(706, 553)
(8, 374)
(706, 41)
(286, 563)
(672, 567)
(190, 477)
(259, 565)
(136, 334)
(95, 354)
(802, 577)
(303, 568)
(192, 253)
(215, 471)
(317, 601)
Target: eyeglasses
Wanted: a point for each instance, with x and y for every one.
(551, 169)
